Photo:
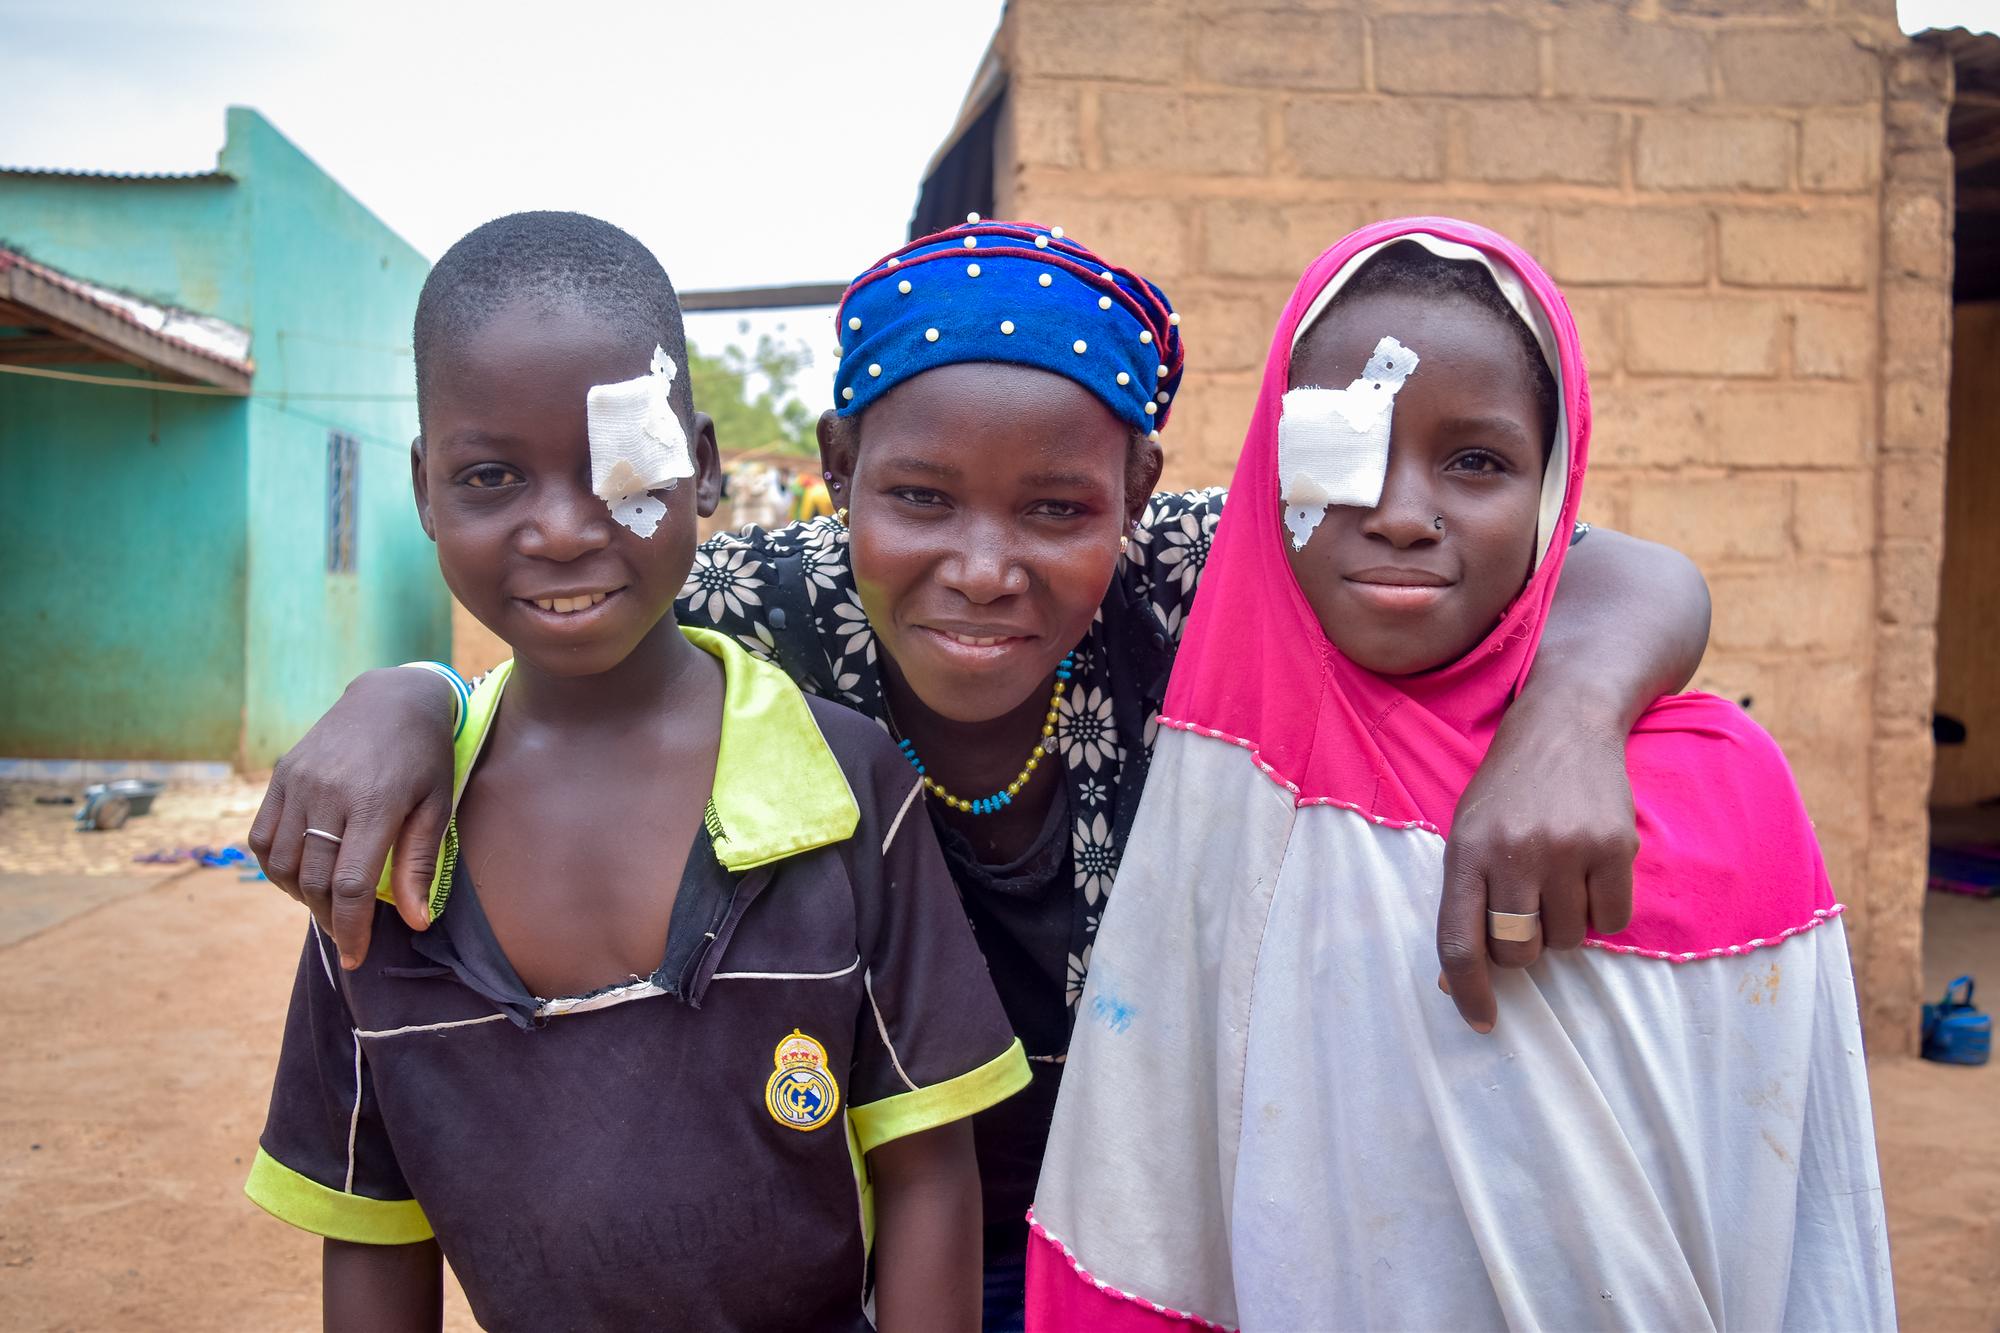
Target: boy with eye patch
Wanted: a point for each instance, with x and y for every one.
(694, 1033)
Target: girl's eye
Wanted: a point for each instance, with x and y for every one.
(1478, 461)
(488, 476)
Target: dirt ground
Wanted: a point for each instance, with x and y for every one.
(39, 838)
(141, 1020)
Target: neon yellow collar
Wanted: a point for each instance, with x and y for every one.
(778, 789)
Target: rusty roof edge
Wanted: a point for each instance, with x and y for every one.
(88, 174)
(96, 295)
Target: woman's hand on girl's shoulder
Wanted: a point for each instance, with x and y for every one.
(373, 774)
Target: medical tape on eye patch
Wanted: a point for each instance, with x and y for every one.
(1333, 444)
(637, 445)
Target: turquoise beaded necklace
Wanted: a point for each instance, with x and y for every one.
(1000, 800)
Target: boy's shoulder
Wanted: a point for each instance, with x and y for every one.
(853, 736)
(875, 769)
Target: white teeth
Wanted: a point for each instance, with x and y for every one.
(569, 605)
(971, 642)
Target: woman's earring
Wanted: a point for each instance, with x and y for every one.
(840, 516)
(1124, 544)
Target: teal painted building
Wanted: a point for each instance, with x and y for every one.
(199, 552)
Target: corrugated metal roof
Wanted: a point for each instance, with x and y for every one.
(118, 175)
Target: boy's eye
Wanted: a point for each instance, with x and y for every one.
(490, 475)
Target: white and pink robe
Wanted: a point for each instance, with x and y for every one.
(1272, 1119)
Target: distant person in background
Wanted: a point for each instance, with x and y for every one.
(811, 499)
(757, 497)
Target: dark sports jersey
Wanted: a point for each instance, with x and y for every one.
(684, 1150)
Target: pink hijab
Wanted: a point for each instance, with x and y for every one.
(1727, 859)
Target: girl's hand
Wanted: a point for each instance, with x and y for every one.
(375, 771)
(1545, 825)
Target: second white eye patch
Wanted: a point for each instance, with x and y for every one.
(1333, 444)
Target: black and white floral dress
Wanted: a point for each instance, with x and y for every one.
(788, 595)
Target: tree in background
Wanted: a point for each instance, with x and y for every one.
(770, 415)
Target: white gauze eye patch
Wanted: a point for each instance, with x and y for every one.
(637, 445)
(1333, 444)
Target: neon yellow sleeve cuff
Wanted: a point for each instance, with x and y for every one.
(311, 1206)
(908, 1113)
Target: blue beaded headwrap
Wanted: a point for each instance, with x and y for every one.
(1012, 292)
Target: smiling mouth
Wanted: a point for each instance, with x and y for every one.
(972, 647)
(566, 606)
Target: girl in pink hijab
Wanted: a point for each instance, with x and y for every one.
(1272, 1118)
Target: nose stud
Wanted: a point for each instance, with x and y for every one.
(1438, 523)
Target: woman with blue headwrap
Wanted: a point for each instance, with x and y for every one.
(1001, 588)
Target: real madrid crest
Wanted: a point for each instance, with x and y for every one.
(801, 1093)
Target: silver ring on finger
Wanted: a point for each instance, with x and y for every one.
(333, 838)
(1518, 927)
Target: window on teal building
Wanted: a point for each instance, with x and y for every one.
(343, 482)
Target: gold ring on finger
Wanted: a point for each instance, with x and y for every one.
(1518, 927)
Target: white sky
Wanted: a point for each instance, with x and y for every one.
(1978, 15)
(746, 141)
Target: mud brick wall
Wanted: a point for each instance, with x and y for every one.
(1748, 205)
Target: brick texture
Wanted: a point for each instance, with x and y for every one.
(1365, 140)
(1312, 51)
(1833, 513)
(1797, 67)
(1840, 151)
(1604, 54)
(1131, 42)
(1786, 249)
(1719, 518)
(1637, 246)
(1462, 55)
(1789, 425)
(1832, 341)
(1700, 335)
(1699, 152)
(1510, 142)
(1206, 133)
(1245, 238)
